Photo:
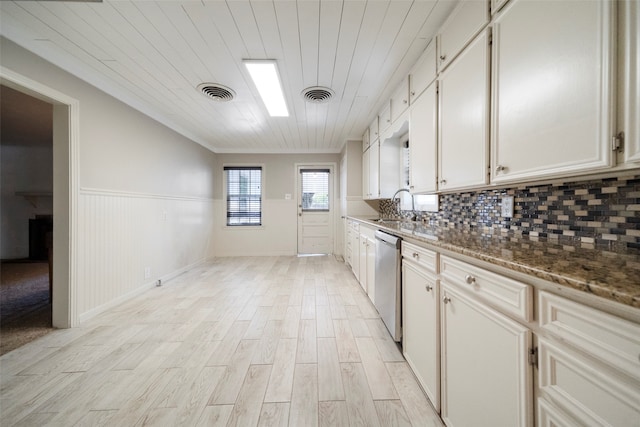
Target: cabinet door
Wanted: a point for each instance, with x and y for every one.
(355, 252)
(364, 279)
(365, 140)
(421, 328)
(629, 89)
(461, 26)
(366, 191)
(384, 118)
(374, 131)
(371, 269)
(374, 170)
(423, 139)
(486, 378)
(464, 105)
(400, 100)
(552, 83)
(423, 73)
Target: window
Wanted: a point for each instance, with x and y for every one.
(244, 195)
(315, 190)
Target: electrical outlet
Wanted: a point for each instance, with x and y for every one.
(507, 207)
(147, 272)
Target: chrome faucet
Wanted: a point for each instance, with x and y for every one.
(413, 205)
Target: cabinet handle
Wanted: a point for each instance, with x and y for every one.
(428, 288)
(470, 279)
(411, 187)
(446, 300)
(443, 57)
(388, 120)
(416, 255)
(413, 93)
(443, 181)
(500, 168)
(405, 101)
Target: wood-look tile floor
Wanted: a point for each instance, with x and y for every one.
(270, 341)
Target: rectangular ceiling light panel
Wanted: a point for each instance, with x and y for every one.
(265, 76)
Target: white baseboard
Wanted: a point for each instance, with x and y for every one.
(142, 288)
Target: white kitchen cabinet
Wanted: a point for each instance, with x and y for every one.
(629, 78)
(384, 118)
(421, 318)
(390, 162)
(423, 139)
(355, 248)
(464, 23)
(552, 112)
(365, 140)
(367, 260)
(464, 119)
(400, 100)
(589, 366)
(486, 377)
(371, 172)
(374, 131)
(423, 72)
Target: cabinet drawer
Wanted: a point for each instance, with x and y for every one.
(610, 339)
(420, 256)
(586, 390)
(506, 295)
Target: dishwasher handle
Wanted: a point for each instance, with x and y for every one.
(389, 239)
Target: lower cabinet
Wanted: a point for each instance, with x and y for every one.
(367, 262)
(486, 377)
(589, 366)
(421, 321)
(354, 245)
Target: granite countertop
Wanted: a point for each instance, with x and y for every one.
(611, 275)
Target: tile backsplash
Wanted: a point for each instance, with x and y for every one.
(598, 212)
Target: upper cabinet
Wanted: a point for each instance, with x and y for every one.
(629, 77)
(466, 20)
(423, 72)
(464, 118)
(423, 139)
(400, 100)
(552, 90)
(365, 140)
(374, 133)
(384, 118)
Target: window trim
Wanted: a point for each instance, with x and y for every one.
(236, 166)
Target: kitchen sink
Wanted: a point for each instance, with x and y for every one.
(383, 220)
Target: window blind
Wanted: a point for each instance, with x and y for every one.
(315, 189)
(244, 195)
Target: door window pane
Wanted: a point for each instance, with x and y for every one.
(315, 189)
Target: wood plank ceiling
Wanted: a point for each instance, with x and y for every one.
(153, 54)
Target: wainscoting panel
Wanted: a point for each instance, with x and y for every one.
(122, 234)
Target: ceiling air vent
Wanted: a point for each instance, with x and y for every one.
(317, 94)
(216, 92)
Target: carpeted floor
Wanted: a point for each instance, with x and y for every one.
(25, 312)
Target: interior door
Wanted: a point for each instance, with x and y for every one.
(315, 209)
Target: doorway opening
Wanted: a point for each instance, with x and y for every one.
(54, 231)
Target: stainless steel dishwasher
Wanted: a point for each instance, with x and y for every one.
(387, 282)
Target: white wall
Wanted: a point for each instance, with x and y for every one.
(145, 191)
(278, 234)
